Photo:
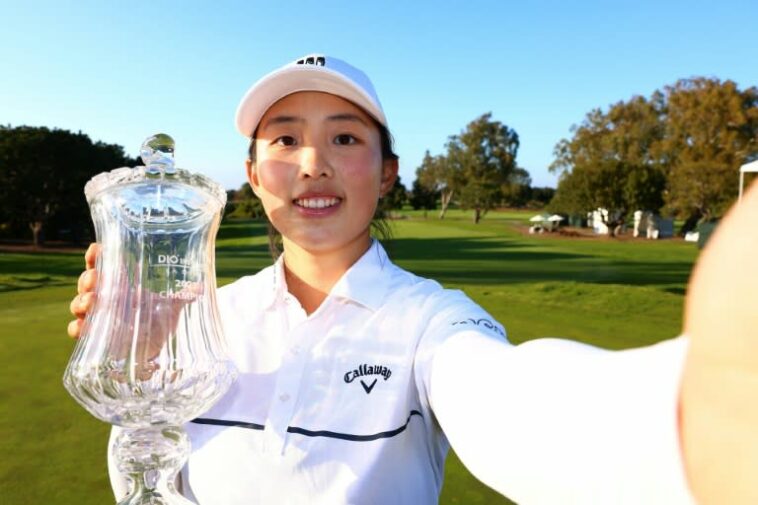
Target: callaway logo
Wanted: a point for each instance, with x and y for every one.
(481, 322)
(365, 370)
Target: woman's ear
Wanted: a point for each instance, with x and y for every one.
(389, 174)
(252, 175)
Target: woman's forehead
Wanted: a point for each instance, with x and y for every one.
(307, 105)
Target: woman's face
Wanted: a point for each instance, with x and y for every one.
(319, 171)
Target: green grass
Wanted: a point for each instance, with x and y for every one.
(608, 293)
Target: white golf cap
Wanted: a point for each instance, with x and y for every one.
(314, 72)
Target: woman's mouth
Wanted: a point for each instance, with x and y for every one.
(317, 206)
(317, 203)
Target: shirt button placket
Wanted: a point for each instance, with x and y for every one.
(286, 393)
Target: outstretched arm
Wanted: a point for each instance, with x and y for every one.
(556, 421)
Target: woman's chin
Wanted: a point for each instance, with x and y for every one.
(328, 241)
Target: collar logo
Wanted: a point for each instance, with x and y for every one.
(366, 371)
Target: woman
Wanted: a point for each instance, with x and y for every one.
(355, 374)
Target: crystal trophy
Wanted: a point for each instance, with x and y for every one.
(152, 356)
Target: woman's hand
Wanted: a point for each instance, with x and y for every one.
(85, 299)
(719, 399)
(155, 316)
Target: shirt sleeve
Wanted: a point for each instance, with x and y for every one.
(119, 481)
(555, 421)
(452, 313)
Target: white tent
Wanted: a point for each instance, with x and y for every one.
(747, 167)
(538, 220)
(554, 220)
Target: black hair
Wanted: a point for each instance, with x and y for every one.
(380, 227)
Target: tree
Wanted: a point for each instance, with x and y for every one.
(395, 197)
(611, 162)
(540, 196)
(243, 203)
(518, 190)
(421, 197)
(439, 177)
(484, 155)
(479, 163)
(43, 173)
(711, 129)
(681, 148)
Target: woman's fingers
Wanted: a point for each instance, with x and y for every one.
(75, 328)
(87, 281)
(90, 257)
(81, 304)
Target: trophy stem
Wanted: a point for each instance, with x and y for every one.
(151, 458)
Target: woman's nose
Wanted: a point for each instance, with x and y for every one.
(314, 164)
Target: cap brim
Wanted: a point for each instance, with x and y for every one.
(276, 85)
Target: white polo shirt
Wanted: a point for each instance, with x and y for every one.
(355, 403)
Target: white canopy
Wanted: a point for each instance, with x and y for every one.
(538, 218)
(750, 167)
(747, 167)
(555, 218)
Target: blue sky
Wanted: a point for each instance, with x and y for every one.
(121, 71)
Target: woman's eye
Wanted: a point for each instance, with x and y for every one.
(285, 140)
(345, 139)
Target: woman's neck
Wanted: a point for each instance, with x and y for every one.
(311, 275)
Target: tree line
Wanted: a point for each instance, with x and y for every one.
(676, 152)
(42, 176)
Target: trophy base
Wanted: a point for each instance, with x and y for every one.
(151, 458)
(155, 498)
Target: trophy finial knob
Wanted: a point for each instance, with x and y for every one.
(157, 153)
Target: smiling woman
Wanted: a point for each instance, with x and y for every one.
(356, 376)
(357, 127)
(314, 148)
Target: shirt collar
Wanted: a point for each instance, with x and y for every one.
(278, 283)
(366, 282)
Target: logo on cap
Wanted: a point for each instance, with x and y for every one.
(319, 61)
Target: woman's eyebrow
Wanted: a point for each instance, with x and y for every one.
(347, 117)
(281, 120)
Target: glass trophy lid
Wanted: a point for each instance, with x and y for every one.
(158, 192)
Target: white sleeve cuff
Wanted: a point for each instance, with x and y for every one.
(554, 421)
(119, 482)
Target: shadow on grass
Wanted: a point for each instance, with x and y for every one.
(12, 283)
(57, 264)
(675, 290)
(475, 260)
(468, 248)
(484, 260)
